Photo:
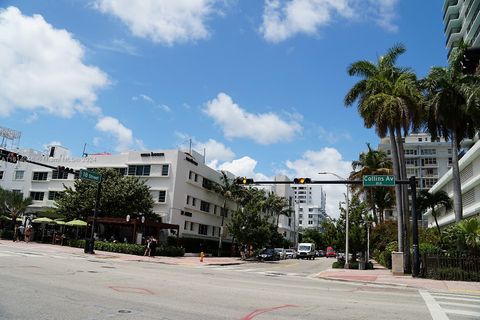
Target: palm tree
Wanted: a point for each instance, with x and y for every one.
(384, 199)
(388, 99)
(453, 112)
(470, 231)
(228, 190)
(372, 162)
(427, 200)
(14, 204)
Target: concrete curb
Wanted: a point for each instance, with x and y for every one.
(368, 282)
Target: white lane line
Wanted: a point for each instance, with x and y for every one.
(435, 310)
(463, 312)
(457, 298)
(440, 294)
(468, 305)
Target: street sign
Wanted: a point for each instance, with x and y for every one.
(378, 181)
(90, 175)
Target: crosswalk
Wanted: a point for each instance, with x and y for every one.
(9, 253)
(450, 306)
(261, 271)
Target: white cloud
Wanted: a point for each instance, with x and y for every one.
(214, 150)
(243, 167)
(165, 22)
(235, 122)
(122, 134)
(32, 118)
(120, 46)
(325, 160)
(283, 19)
(41, 68)
(151, 101)
(332, 137)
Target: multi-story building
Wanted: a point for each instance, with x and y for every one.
(287, 224)
(311, 213)
(180, 184)
(425, 159)
(462, 21)
(469, 166)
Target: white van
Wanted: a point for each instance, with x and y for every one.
(306, 250)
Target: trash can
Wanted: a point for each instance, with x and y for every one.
(89, 245)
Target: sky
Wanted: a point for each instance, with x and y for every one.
(258, 85)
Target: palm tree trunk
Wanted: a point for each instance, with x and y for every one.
(374, 208)
(406, 212)
(457, 188)
(398, 192)
(436, 222)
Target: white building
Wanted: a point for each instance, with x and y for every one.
(469, 166)
(462, 21)
(179, 184)
(287, 225)
(310, 209)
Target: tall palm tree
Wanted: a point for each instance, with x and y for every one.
(384, 199)
(228, 191)
(388, 99)
(453, 112)
(372, 162)
(427, 200)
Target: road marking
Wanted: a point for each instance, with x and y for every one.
(458, 298)
(463, 312)
(456, 304)
(436, 311)
(255, 313)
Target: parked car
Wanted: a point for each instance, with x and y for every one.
(282, 253)
(268, 255)
(341, 256)
(330, 253)
(291, 254)
(320, 253)
(306, 250)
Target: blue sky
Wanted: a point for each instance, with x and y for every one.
(258, 84)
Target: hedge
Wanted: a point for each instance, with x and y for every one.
(135, 249)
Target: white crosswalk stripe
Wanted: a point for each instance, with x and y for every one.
(449, 306)
(37, 255)
(262, 271)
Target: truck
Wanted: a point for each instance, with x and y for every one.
(306, 251)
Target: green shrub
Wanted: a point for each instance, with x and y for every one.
(428, 248)
(128, 248)
(338, 265)
(6, 234)
(353, 265)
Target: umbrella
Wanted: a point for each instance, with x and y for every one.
(76, 223)
(59, 222)
(42, 220)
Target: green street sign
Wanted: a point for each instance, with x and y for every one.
(378, 181)
(90, 175)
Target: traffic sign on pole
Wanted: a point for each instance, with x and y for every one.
(90, 175)
(378, 181)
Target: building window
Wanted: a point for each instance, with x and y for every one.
(207, 184)
(428, 151)
(19, 175)
(224, 212)
(195, 178)
(310, 209)
(300, 216)
(411, 162)
(190, 175)
(194, 202)
(429, 182)
(188, 199)
(185, 225)
(54, 195)
(202, 229)
(204, 206)
(410, 152)
(449, 161)
(37, 196)
(389, 152)
(40, 176)
(1, 175)
(429, 161)
(215, 209)
(185, 213)
(213, 231)
(191, 226)
(449, 151)
(310, 222)
(162, 196)
(59, 175)
(310, 216)
(139, 170)
(165, 169)
(419, 139)
(300, 209)
(299, 221)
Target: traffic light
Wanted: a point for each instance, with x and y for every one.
(11, 156)
(62, 169)
(302, 180)
(243, 180)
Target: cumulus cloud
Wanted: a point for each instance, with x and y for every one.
(122, 134)
(235, 122)
(283, 19)
(243, 167)
(165, 22)
(332, 137)
(151, 101)
(42, 68)
(324, 160)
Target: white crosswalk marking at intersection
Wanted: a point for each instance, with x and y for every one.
(449, 306)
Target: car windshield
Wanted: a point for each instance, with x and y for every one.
(303, 248)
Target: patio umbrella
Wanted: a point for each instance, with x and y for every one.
(59, 222)
(42, 220)
(76, 223)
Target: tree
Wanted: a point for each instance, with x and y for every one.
(120, 196)
(372, 162)
(384, 199)
(388, 98)
(316, 236)
(427, 200)
(452, 112)
(13, 204)
(249, 227)
(470, 233)
(228, 190)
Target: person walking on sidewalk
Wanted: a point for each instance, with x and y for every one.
(148, 248)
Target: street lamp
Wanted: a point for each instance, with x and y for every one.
(347, 265)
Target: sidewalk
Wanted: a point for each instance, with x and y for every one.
(187, 261)
(383, 276)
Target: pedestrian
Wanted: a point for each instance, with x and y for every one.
(153, 246)
(243, 251)
(147, 249)
(28, 234)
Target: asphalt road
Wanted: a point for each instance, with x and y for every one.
(46, 285)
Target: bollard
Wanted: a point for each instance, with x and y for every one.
(201, 256)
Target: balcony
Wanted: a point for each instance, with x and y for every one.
(453, 35)
(450, 20)
(450, 7)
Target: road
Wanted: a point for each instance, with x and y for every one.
(47, 285)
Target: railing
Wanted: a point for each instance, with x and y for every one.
(450, 267)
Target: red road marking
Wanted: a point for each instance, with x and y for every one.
(255, 313)
(132, 290)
